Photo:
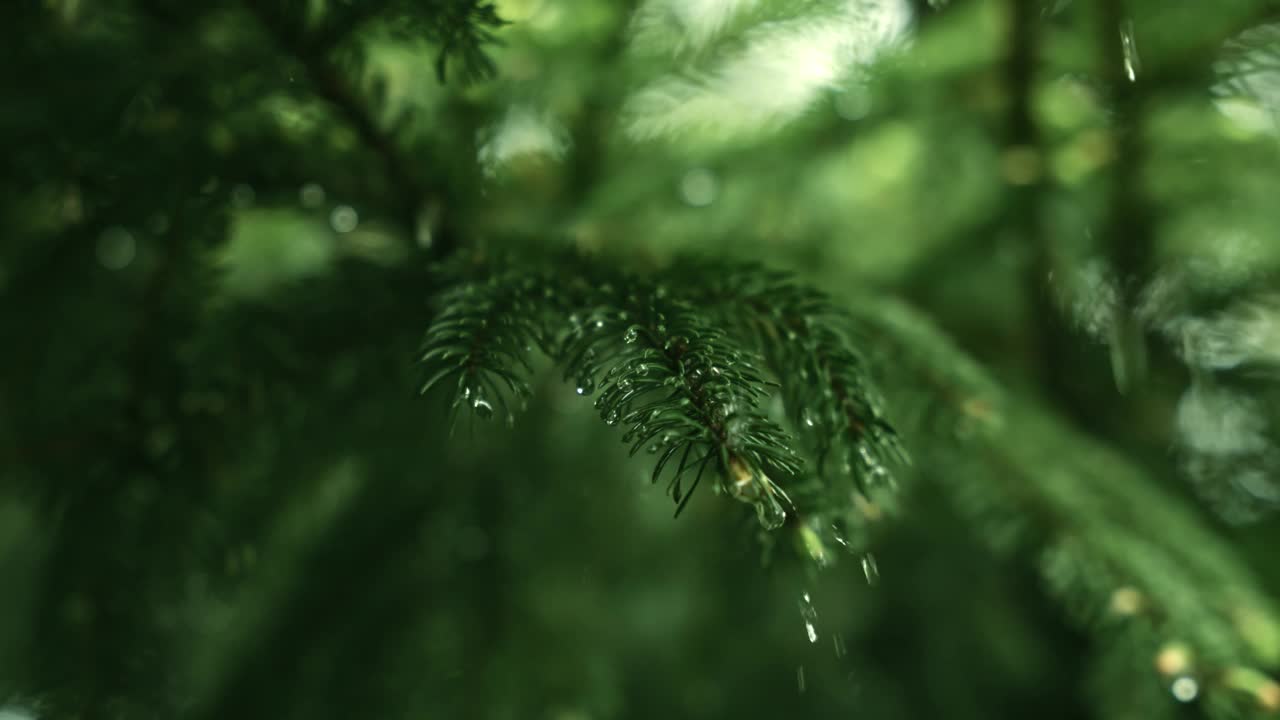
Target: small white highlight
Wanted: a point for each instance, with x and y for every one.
(1185, 689)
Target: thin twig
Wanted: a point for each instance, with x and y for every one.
(412, 193)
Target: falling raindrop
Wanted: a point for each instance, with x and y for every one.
(1185, 689)
(344, 219)
(870, 569)
(810, 616)
(814, 546)
(838, 641)
(116, 248)
(807, 418)
(1132, 64)
(840, 538)
(800, 678)
(1128, 352)
(424, 226)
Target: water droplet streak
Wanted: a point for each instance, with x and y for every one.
(810, 616)
(1132, 64)
(870, 569)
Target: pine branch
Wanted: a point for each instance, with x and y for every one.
(328, 82)
(482, 338)
(826, 385)
(683, 388)
(462, 29)
(1113, 548)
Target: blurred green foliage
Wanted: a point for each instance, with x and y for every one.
(1050, 227)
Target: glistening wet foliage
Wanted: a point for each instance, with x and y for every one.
(730, 358)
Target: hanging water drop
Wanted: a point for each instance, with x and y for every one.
(482, 407)
(770, 513)
(586, 385)
(1132, 64)
(864, 457)
(631, 335)
(870, 569)
(751, 486)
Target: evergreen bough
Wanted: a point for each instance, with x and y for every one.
(137, 445)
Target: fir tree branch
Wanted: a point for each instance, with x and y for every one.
(681, 385)
(410, 191)
(826, 385)
(1113, 548)
(482, 338)
(330, 85)
(682, 388)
